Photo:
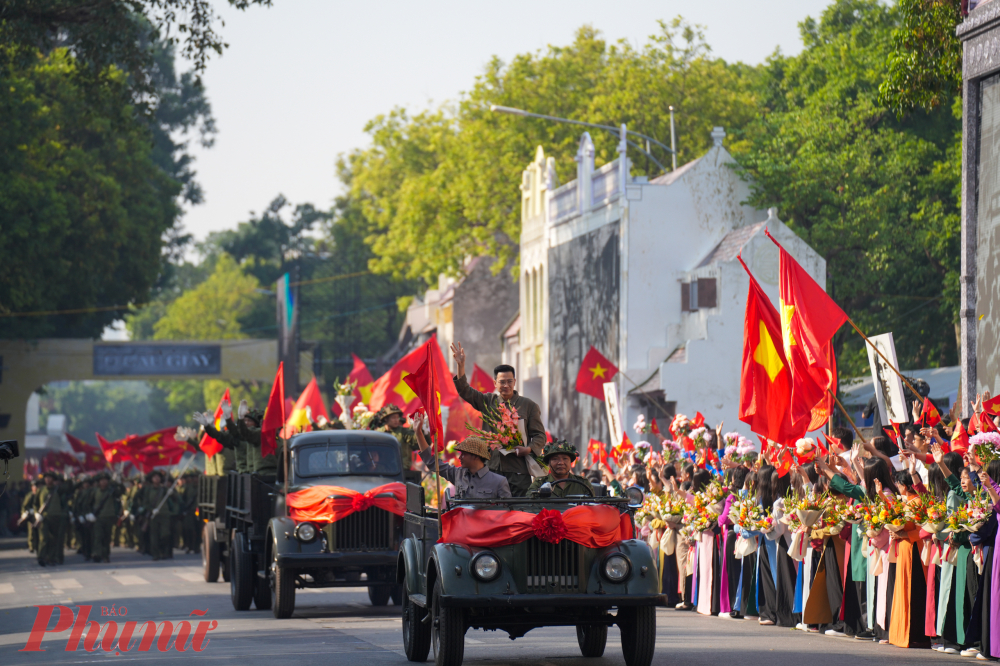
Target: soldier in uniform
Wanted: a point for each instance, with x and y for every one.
(28, 507)
(105, 506)
(48, 520)
(234, 450)
(559, 456)
(390, 419)
(512, 464)
(187, 499)
(248, 427)
(156, 514)
(80, 508)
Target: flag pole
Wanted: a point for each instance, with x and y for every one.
(849, 419)
(437, 472)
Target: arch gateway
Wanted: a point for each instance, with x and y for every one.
(26, 365)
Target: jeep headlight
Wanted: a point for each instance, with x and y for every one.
(305, 532)
(485, 566)
(616, 568)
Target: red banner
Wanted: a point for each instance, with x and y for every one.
(328, 504)
(592, 526)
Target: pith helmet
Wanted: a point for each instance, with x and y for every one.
(476, 446)
(387, 411)
(560, 446)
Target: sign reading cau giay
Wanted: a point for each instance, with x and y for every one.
(132, 359)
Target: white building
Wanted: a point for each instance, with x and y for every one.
(646, 272)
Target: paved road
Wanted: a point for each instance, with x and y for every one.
(343, 625)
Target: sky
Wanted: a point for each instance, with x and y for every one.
(300, 79)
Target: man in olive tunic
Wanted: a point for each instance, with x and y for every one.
(559, 456)
(48, 519)
(158, 513)
(391, 419)
(234, 449)
(28, 508)
(105, 506)
(511, 464)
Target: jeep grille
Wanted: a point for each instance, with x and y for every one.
(371, 529)
(553, 568)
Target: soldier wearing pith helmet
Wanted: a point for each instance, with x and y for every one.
(559, 456)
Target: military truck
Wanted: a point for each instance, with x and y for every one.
(451, 587)
(271, 555)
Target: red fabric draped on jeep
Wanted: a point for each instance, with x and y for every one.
(328, 504)
(592, 526)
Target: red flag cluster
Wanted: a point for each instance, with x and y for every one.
(789, 370)
(146, 452)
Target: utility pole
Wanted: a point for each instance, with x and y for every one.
(673, 146)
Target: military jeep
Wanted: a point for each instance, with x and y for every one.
(449, 588)
(271, 555)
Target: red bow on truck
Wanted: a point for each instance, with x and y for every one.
(328, 504)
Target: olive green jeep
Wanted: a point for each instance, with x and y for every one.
(449, 587)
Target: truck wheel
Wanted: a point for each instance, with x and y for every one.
(638, 627)
(447, 631)
(282, 584)
(592, 639)
(378, 595)
(416, 632)
(261, 592)
(396, 592)
(209, 553)
(240, 574)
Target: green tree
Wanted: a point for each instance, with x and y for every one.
(436, 186)
(874, 194)
(114, 409)
(83, 206)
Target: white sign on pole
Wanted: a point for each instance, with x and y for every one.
(614, 416)
(888, 387)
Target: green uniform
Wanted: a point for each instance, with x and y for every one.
(50, 530)
(83, 529)
(578, 486)
(65, 494)
(188, 503)
(158, 526)
(28, 506)
(407, 445)
(232, 442)
(259, 464)
(105, 506)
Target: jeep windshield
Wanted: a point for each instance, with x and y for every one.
(344, 459)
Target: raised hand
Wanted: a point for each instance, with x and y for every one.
(203, 419)
(937, 453)
(227, 410)
(459, 354)
(243, 410)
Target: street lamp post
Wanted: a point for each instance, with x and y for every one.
(527, 114)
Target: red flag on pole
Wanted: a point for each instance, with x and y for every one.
(699, 420)
(595, 372)
(274, 415)
(362, 380)
(424, 382)
(311, 398)
(930, 414)
(960, 439)
(809, 319)
(391, 388)
(786, 459)
(992, 406)
(766, 381)
(481, 380)
(117, 451)
(208, 445)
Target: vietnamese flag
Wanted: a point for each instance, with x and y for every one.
(114, 452)
(595, 372)
(766, 381)
(164, 440)
(764, 445)
(960, 439)
(594, 448)
(623, 447)
(699, 420)
(929, 415)
(787, 459)
(208, 445)
(832, 442)
(992, 406)
(986, 423)
(481, 380)
(362, 380)
(274, 415)
(391, 388)
(809, 318)
(425, 383)
(653, 428)
(78, 445)
(311, 398)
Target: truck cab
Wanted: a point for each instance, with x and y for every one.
(273, 554)
(527, 577)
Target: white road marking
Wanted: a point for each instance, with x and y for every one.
(65, 583)
(127, 579)
(6, 588)
(190, 576)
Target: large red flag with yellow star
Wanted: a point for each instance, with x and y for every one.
(595, 372)
(766, 384)
(391, 388)
(809, 318)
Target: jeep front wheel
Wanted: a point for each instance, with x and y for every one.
(592, 639)
(416, 630)
(282, 583)
(447, 631)
(638, 627)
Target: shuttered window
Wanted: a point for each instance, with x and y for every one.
(706, 293)
(685, 296)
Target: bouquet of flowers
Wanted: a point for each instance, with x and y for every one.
(672, 511)
(651, 509)
(698, 516)
(503, 424)
(853, 513)
(986, 446)
(715, 495)
(642, 450)
(805, 449)
(894, 515)
(929, 512)
(681, 426)
(750, 516)
(808, 509)
(977, 511)
(362, 416)
(640, 426)
(738, 447)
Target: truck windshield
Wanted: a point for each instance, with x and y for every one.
(343, 459)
